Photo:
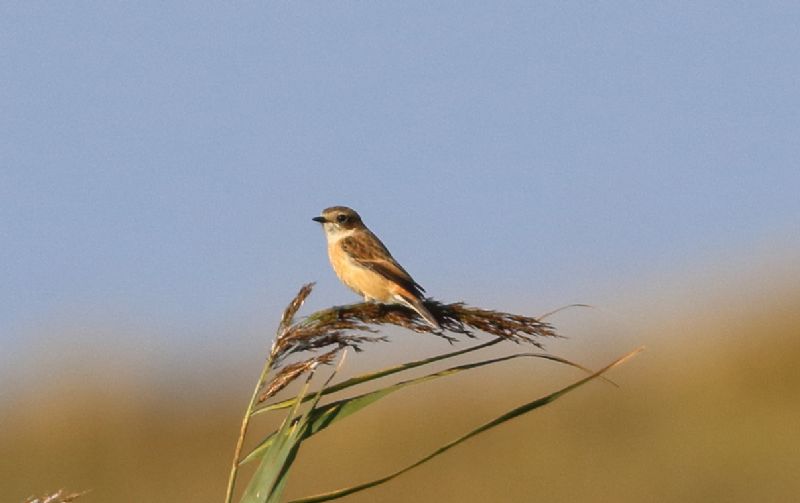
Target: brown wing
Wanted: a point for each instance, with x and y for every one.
(372, 254)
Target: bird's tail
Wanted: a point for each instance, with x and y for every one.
(417, 305)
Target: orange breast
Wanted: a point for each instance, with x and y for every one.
(360, 279)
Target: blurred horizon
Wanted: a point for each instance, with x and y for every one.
(718, 365)
(727, 279)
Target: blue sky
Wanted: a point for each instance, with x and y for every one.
(159, 164)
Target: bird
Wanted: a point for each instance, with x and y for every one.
(363, 263)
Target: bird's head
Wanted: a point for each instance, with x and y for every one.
(339, 219)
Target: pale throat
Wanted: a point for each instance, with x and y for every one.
(335, 235)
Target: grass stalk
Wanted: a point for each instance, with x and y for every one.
(243, 430)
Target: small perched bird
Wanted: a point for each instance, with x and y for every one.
(364, 264)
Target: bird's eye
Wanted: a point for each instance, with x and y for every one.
(341, 219)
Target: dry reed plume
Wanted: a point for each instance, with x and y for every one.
(337, 328)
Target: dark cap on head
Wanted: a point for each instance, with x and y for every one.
(339, 215)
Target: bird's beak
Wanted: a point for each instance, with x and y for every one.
(319, 219)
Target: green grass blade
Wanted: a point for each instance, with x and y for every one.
(269, 487)
(260, 450)
(267, 483)
(376, 375)
(327, 415)
(523, 409)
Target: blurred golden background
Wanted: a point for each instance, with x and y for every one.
(709, 412)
